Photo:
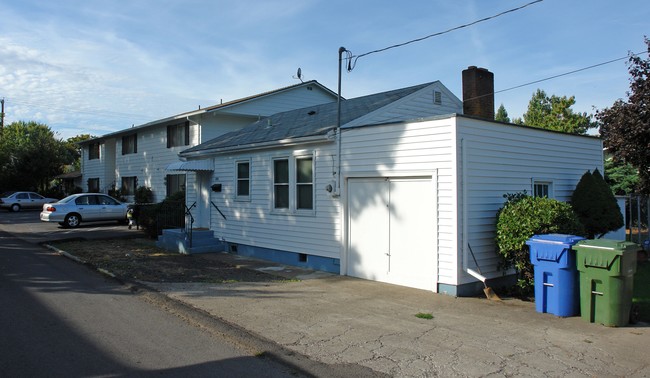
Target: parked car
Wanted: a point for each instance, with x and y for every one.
(84, 207)
(14, 201)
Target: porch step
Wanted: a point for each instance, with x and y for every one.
(177, 240)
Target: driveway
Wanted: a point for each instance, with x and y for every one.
(343, 320)
(26, 225)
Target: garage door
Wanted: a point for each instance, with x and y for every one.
(392, 231)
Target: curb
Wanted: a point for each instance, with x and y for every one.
(238, 336)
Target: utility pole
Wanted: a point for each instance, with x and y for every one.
(2, 115)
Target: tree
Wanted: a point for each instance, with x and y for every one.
(625, 126)
(75, 151)
(502, 115)
(30, 156)
(595, 205)
(555, 113)
(623, 178)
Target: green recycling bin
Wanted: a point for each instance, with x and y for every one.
(606, 273)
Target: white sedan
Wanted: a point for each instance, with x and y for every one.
(84, 207)
(14, 201)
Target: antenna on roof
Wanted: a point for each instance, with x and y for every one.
(299, 75)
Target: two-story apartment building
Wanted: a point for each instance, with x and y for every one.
(144, 155)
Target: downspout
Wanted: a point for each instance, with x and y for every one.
(338, 127)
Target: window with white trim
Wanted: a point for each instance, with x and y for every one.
(243, 184)
(543, 189)
(175, 184)
(130, 144)
(305, 183)
(93, 151)
(293, 184)
(128, 185)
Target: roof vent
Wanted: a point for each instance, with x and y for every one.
(311, 112)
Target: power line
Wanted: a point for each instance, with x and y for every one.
(560, 75)
(353, 63)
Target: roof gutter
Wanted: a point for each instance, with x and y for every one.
(289, 142)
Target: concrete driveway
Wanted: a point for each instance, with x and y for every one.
(27, 225)
(343, 320)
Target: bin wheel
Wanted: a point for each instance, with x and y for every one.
(634, 314)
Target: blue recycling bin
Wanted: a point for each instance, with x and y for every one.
(556, 275)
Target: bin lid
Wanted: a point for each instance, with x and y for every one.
(555, 239)
(607, 245)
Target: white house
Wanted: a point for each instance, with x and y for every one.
(142, 155)
(396, 195)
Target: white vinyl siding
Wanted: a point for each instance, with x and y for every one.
(153, 155)
(412, 150)
(256, 223)
(509, 159)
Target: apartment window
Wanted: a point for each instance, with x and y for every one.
(178, 135)
(128, 185)
(243, 179)
(293, 183)
(175, 184)
(93, 151)
(130, 144)
(543, 189)
(304, 183)
(93, 185)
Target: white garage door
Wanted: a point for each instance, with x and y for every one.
(392, 231)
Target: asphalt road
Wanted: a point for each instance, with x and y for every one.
(58, 318)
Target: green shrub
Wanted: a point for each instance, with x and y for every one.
(170, 213)
(143, 194)
(518, 220)
(596, 206)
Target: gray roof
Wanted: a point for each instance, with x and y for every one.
(306, 122)
(224, 105)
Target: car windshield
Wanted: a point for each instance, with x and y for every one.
(6, 194)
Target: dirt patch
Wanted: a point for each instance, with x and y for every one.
(140, 259)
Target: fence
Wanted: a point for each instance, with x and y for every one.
(637, 213)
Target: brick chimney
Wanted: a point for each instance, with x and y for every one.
(478, 92)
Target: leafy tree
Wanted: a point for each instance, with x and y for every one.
(75, 151)
(518, 220)
(596, 206)
(622, 178)
(555, 113)
(30, 156)
(625, 126)
(502, 115)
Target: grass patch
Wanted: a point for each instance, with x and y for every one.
(423, 315)
(642, 290)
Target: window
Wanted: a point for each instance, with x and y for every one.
(175, 184)
(93, 185)
(243, 179)
(93, 151)
(281, 184)
(128, 185)
(178, 135)
(130, 144)
(304, 183)
(293, 184)
(543, 189)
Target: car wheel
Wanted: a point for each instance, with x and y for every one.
(72, 220)
(15, 207)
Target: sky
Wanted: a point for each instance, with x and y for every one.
(95, 67)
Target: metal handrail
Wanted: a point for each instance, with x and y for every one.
(188, 230)
(217, 207)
